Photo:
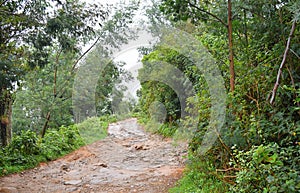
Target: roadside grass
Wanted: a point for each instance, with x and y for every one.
(153, 126)
(95, 128)
(200, 177)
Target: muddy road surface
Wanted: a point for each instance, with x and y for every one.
(128, 160)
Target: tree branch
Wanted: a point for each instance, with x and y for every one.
(282, 63)
(82, 55)
(55, 72)
(62, 90)
(295, 54)
(209, 13)
(226, 147)
(2, 3)
(46, 124)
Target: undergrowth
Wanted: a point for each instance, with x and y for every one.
(153, 126)
(28, 149)
(200, 176)
(95, 128)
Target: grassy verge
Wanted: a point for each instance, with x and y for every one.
(95, 128)
(200, 177)
(165, 129)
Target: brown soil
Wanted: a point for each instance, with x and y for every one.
(128, 160)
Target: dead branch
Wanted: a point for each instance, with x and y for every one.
(287, 48)
(295, 53)
(226, 147)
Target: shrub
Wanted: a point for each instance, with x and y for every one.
(27, 149)
(94, 128)
(62, 141)
(266, 168)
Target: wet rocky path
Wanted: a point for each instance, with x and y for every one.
(128, 160)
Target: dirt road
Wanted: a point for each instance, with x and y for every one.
(128, 160)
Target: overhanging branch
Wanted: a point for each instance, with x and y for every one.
(82, 55)
(209, 13)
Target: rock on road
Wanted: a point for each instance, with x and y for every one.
(128, 160)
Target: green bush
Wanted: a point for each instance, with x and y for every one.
(27, 149)
(266, 169)
(94, 128)
(59, 142)
(167, 130)
(22, 150)
(164, 129)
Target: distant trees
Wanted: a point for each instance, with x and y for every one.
(31, 33)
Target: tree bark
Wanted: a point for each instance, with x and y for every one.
(230, 43)
(45, 124)
(5, 117)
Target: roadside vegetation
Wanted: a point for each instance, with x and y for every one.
(28, 149)
(256, 47)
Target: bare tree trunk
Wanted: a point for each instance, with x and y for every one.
(5, 117)
(287, 48)
(46, 124)
(232, 73)
(55, 81)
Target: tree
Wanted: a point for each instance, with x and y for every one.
(230, 45)
(42, 92)
(201, 11)
(29, 32)
(97, 74)
(165, 62)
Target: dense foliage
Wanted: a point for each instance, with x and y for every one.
(258, 149)
(27, 149)
(46, 96)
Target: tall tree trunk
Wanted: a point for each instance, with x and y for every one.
(230, 43)
(5, 116)
(46, 124)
